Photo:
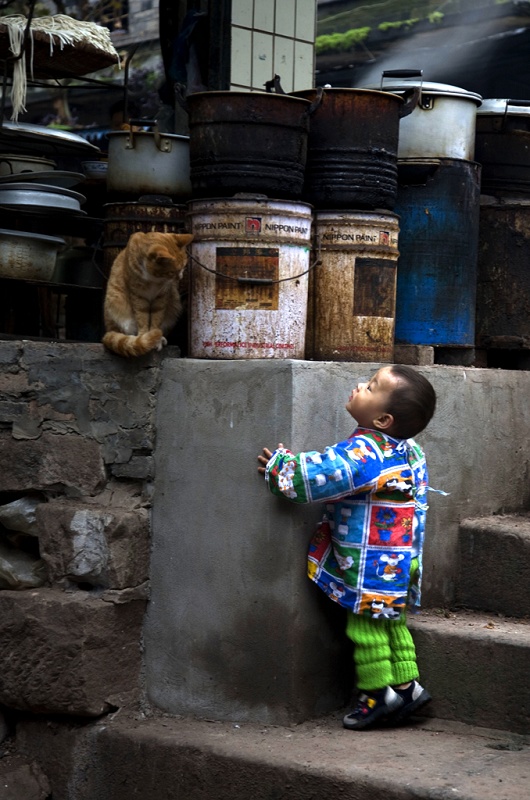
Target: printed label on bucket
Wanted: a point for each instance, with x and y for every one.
(234, 265)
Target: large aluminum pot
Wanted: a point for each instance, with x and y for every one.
(443, 123)
(148, 162)
(28, 256)
(502, 145)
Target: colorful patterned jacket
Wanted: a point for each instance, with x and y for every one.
(374, 488)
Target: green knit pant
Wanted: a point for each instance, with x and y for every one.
(384, 651)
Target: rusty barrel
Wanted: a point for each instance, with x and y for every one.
(249, 281)
(121, 220)
(353, 147)
(353, 287)
(247, 142)
(503, 274)
(438, 204)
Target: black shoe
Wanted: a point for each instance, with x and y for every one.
(413, 697)
(372, 706)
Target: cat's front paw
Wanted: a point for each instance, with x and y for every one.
(162, 343)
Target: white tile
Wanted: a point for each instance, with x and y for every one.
(304, 66)
(284, 61)
(285, 17)
(264, 15)
(241, 56)
(262, 62)
(305, 20)
(242, 12)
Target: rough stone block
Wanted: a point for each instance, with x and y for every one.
(68, 653)
(102, 546)
(141, 467)
(66, 462)
(22, 781)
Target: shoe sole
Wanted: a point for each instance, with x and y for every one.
(405, 711)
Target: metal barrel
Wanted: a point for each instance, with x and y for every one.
(352, 149)
(353, 288)
(438, 205)
(121, 220)
(247, 142)
(249, 278)
(503, 277)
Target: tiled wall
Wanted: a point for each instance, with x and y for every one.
(273, 37)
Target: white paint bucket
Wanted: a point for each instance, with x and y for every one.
(353, 289)
(249, 278)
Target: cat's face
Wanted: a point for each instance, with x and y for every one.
(166, 255)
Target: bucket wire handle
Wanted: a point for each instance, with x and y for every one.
(256, 281)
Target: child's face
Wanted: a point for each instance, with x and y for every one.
(368, 403)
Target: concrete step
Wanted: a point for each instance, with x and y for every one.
(168, 758)
(495, 564)
(475, 665)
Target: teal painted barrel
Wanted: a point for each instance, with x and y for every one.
(438, 204)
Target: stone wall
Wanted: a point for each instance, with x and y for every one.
(76, 467)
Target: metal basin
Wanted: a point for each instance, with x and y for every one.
(27, 256)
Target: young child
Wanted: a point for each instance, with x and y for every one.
(366, 553)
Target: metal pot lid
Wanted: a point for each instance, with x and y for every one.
(36, 194)
(41, 237)
(495, 106)
(150, 134)
(40, 138)
(53, 177)
(429, 88)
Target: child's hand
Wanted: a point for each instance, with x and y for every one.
(264, 459)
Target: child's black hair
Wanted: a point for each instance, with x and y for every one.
(412, 402)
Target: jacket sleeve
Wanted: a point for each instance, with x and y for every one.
(348, 467)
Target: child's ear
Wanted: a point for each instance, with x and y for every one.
(384, 422)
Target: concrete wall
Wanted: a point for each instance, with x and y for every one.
(234, 629)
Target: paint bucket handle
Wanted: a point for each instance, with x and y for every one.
(255, 281)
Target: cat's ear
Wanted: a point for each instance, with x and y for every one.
(183, 239)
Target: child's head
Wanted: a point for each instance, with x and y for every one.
(396, 400)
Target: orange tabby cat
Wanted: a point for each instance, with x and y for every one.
(142, 300)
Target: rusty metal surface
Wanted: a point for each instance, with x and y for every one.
(124, 219)
(505, 157)
(503, 276)
(438, 206)
(353, 290)
(352, 149)
(247, 142)
(249, 281)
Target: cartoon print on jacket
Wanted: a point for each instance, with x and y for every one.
(374, 490)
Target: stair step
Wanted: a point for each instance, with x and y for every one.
(475, 665)
(207, 760)
(495, 564)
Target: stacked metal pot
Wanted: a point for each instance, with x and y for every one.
(351, 179)
(438, 206)
(148, 179)
(252, 230)
(503, 286)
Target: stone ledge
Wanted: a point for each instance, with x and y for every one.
(166, 757)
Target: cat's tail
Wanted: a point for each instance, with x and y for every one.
(125, 345)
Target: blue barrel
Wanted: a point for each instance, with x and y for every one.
(438, 203)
